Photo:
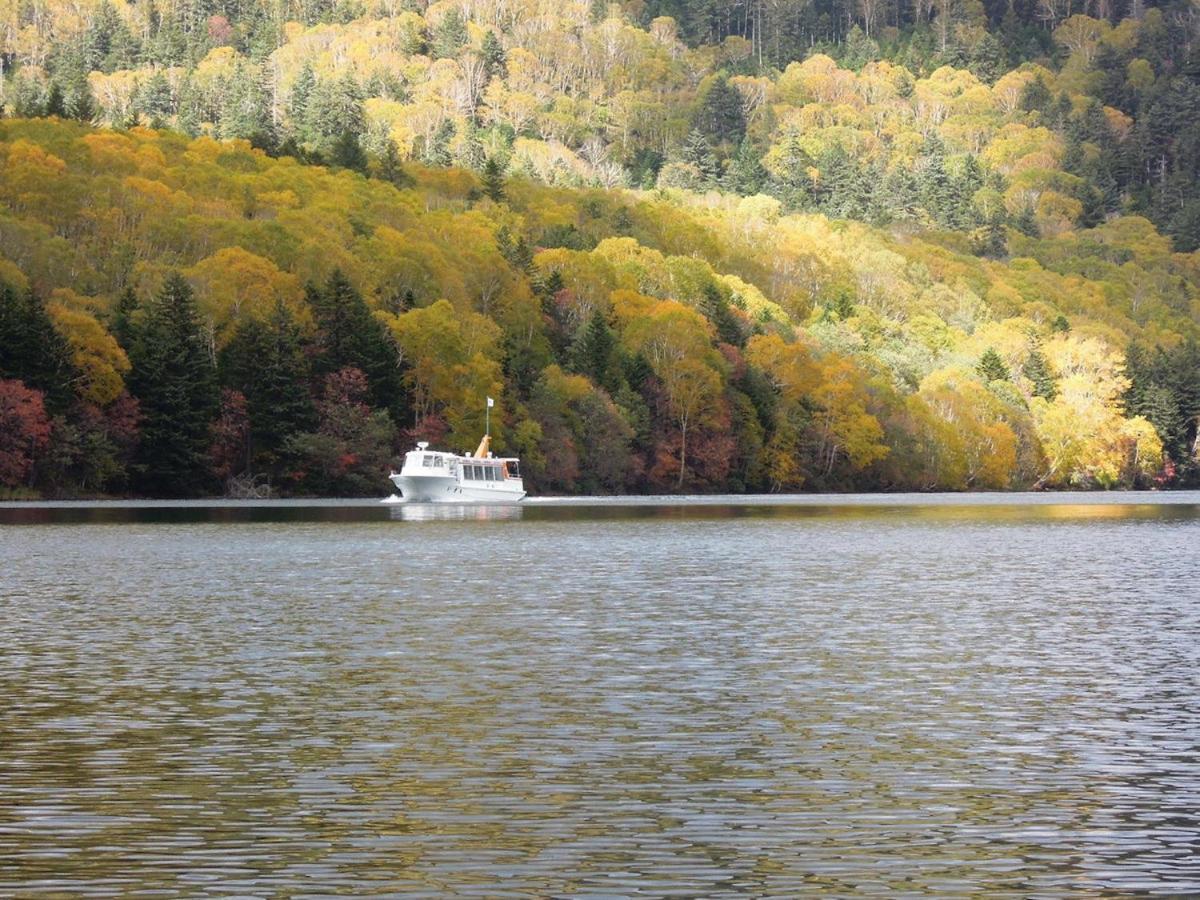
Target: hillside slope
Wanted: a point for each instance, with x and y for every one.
(320, 320)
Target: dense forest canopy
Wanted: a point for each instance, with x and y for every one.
(689, 245)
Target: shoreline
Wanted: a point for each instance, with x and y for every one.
(962, 498)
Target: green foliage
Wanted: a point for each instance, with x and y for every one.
(31, 350)
(174, 377)
(991, 367)
(1037, 370)
(493, 180)
(636, 341)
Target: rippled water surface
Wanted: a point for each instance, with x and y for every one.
(889, 697)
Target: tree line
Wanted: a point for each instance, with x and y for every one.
(186, 316)
(971, 117)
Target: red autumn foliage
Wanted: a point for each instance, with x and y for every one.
(230, 435)
(24, 431)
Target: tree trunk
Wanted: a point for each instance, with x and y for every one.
(682, 452)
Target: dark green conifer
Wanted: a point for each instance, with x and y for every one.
(494, 59)
(174, 378)
(124, 323)
(1037, 370)
(349, 336)
(493, 180)
(595, 353)
(267, 363)
(746, 174)
(32, 350)
(56, 104)
(992, 368)
(450, 34)
(716, 309)
(348, 153)
(391, 169)
(720, 117)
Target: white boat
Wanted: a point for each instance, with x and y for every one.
(434, 476)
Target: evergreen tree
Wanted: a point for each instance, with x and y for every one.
(266, 361)
(83, 105)
(28, 97)
(720, 117)
(56, 104)
(124, 325)
(697, 152)
(1036, 97)
(746, 174)
(994, 243)
(716, 309)
(174, 379)
(987, 60)
(494, 59)
(348, 153)
(595, 353)
(450, 34)
(992, 368)
(32, 350)
(391, 169)
(298, 103)
(351, 337)
(1026, 222)
(154, 99)
(493, 180)
(437, 152)
(1037, 370)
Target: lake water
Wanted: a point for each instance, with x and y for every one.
(855, 696)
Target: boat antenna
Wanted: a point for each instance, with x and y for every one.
(487, 417)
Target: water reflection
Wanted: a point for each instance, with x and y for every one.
(454, 512)
(709, 701)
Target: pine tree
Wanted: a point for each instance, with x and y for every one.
(716, 309)
(697, 152)
(174, 379)
(494, 59)
(437, 152)
(266, 361)
(1026, 222)
(493, 180)
(1037, 370)
(450, 34)
(123, 325)
(351, 337)
(595, 353)
(746, 174)
(298, 104)
(56, 104)
(83, 105)
(992, 368)
(720, 117)
(32, 350)
(391, 169)
(154, 97)
(1036, 97)
(348, 153)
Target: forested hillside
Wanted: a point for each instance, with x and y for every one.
(687, 245)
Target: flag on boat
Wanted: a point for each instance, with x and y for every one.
(491, 402)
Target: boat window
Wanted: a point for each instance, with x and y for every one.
(491, 472)
(437, 462)
(468, 473)
(478, 472)
(513, 468)
(427, 462)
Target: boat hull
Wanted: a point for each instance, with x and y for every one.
(447, 489)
